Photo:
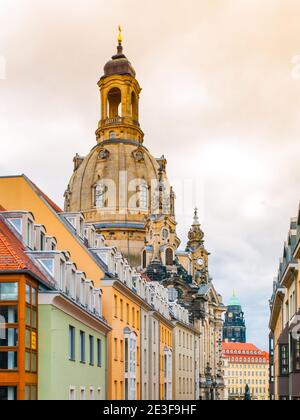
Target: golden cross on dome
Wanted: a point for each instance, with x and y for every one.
(120, 37)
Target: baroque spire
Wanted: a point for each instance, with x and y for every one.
(196, 235)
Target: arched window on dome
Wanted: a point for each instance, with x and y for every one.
(100, 192)
(143, 199)
(114, 101)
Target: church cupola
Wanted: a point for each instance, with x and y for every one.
(120, 92)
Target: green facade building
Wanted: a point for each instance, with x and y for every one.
(72, 351)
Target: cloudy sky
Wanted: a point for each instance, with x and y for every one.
(221, 99)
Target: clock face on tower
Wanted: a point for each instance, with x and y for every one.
(200, 261)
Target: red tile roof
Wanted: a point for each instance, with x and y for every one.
(12, 254)
(238, 350)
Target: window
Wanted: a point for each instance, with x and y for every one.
(31, 334)
(8, 291)
(296, 355)
(144, 196)
(8, 314)
(8, 393)
(30, 392)
(82, 394)
(169, 257)
(173, 294)
(82, 347)
(92, 394)
(48, 264)
(116, 348)
(42, 241)
(100, 191)
(112, 135)
(29, 233)
(91, 340)
(72, 393)
(122, 309)
(145, 327)
(62, 275)
(144, 259)
(165, 234)
(99, 352)
(121, 350)
(284, 359)
(17, 224)
(99, 394)
(8, 337)
(8, 360)
(72, 343)
(116, 306)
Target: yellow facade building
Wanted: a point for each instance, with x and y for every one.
(245, 365)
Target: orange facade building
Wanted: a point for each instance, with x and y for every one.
(19, 280)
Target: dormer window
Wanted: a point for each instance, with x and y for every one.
(42, 241)
(62, 276)
(82, 284)
(48, 264)
(29, 233)
(17, 224)
(173, 294)
(72, 221)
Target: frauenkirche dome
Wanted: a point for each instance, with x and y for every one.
(118, 185)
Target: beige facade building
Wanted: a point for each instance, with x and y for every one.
(284, 321)
(245, 365)
(186, 341)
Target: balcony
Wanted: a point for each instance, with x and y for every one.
(118, 121)
(112, 121)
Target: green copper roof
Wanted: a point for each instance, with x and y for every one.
(234, 301)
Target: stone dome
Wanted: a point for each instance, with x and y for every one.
(109, 161)
(121, 168)
(119, 64)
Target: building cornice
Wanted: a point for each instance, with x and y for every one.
(62, 303)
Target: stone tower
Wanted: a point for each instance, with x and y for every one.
(234, 329)
(115, 185)
(199, 254)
